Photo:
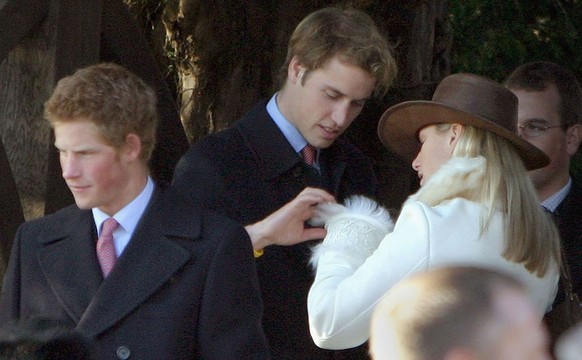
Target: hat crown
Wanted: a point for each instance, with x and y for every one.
(479, 97)
(466, 99)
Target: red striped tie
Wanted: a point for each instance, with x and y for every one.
(105, 247)
(308, 154)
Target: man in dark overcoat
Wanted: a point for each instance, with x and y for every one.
(131, 266)
(286, 155)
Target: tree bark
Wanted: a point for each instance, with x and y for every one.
(25, 82)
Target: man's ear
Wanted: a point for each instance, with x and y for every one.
(296, 71)
(132, 149)
(573, 138)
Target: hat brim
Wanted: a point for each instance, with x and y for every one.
(399, 126)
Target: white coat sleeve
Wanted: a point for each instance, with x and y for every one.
(351, 280)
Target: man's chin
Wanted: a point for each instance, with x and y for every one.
(83, 205)
(323, 144)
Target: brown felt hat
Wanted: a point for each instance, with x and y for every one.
(464, 99)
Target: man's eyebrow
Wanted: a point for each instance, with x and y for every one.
(340, 93)
(363, 99)
(535, 120)
(334, 89)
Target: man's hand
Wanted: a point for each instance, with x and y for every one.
(286, 226)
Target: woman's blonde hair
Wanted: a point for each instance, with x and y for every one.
(530, 233)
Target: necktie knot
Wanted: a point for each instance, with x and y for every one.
(105, 246)
(309, 153)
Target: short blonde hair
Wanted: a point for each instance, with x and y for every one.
(427, 315)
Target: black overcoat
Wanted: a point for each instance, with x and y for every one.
(185, 287)
(247, 172)
(569, 218)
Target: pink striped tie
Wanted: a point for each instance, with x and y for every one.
(105, 247)
(309, 153)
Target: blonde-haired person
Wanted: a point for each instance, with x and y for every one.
(476, 206)
(458, 313)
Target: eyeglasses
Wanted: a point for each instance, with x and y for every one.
(533, 130)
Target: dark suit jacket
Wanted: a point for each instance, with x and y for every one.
(249, 171)
(569, 217)
(184, 288)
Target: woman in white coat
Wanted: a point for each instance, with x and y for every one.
(476, 206)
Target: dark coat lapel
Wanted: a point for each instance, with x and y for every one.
(276, 156)
(569, 207)
(333, 166)
(69, 263)
(569, 214)
(149, 261)
(268, 144)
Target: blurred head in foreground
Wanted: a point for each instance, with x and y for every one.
(458, 313)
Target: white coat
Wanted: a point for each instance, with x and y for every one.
(361, 258)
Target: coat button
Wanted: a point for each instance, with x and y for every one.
(123, 353)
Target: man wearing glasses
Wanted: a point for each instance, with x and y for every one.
(550, 117)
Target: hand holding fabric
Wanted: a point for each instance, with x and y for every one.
(286, 226)
(358, 226)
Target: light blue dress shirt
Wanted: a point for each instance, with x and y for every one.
(289, 130)
(554, 201)
(127, 217)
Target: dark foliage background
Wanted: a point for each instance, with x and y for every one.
(493, 37)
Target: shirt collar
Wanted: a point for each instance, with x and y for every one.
(129, 215)
(289, 130)
(554, 201)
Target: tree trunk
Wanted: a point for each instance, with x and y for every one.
(25, 82)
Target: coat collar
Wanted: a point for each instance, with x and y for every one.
(458, 177)
(150, 260)
(68, 259)
(275, 155)
(266, 142)
(164, 206)
(573, 199)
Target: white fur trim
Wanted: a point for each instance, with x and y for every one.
(325, 211)
(456, 177)
(355, 230)
(355, 206)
